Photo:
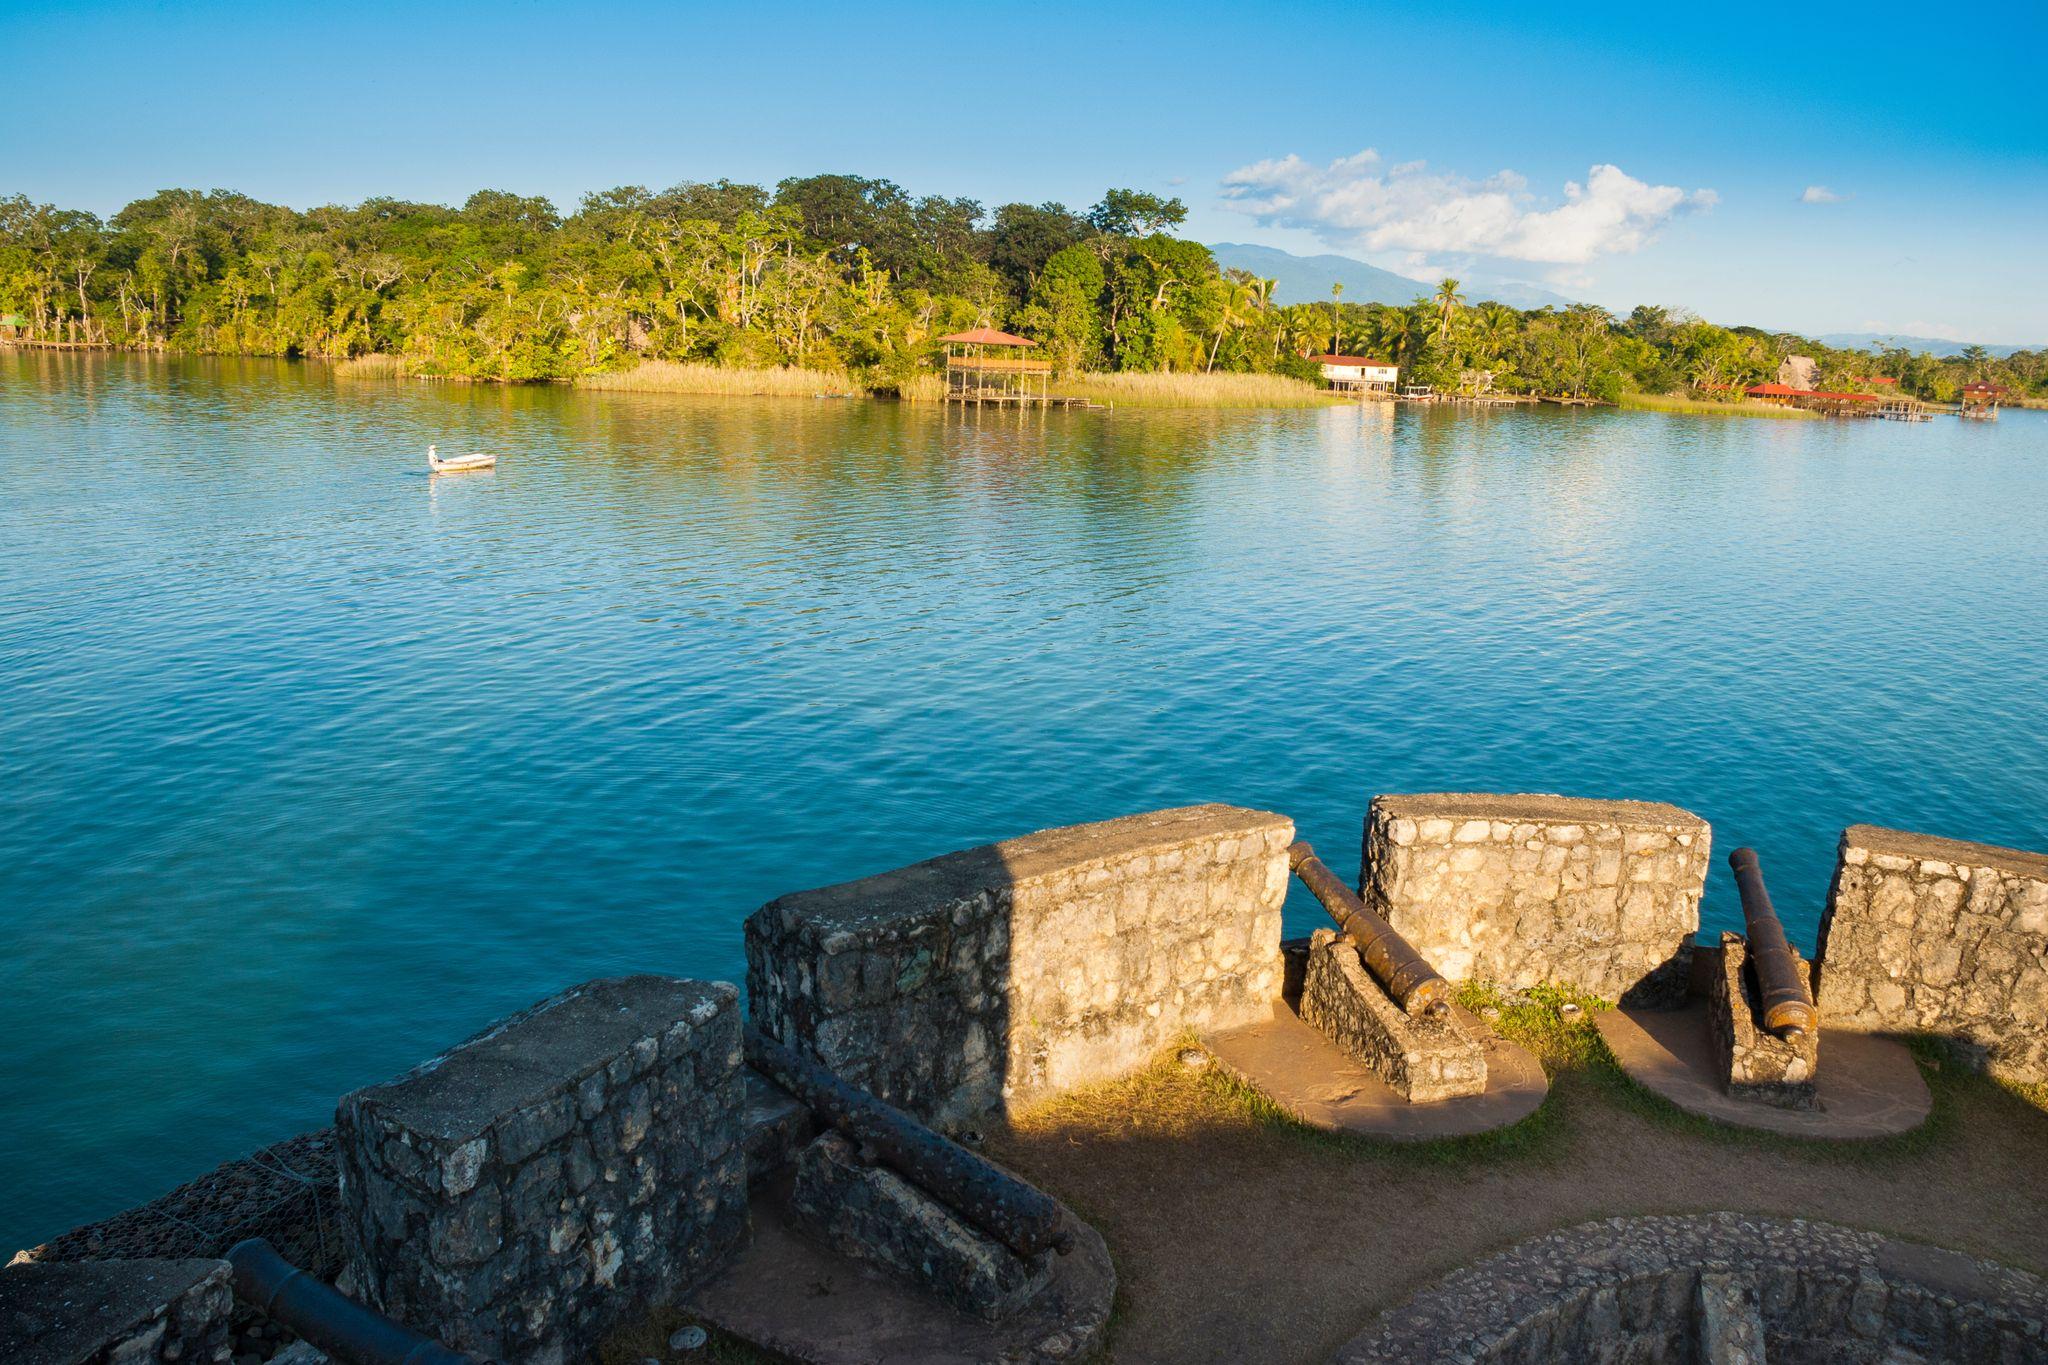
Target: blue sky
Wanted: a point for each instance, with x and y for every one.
(1924, 130)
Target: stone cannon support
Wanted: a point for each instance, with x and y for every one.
(1423, 1057)
(1016, 1214)
(1942, 937)
(1023, 968)
(124, 1312)
(1527, 890)
(582, 1160)
(1755, 1063)
(875, 1214)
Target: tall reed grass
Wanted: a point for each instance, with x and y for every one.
(922, 388)
(669, 376)
(377, 366)
(1707, 407)
(1191, 390)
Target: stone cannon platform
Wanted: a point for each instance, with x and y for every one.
(1298, 1067)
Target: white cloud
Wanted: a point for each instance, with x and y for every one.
(1407, 208)
(1820, 194)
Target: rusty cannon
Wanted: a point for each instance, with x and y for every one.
(317, 1313)
(1781, 987)
(1408, 978)
(1022, 1218)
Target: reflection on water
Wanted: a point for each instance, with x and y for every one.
(311, 763)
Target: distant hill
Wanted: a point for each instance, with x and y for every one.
(1307, 279)
(1882, 341)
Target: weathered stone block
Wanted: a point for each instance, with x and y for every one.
(1756, 1064)
(1421, 1058)
(518, 1194)
(1528, 890)
(1942, 937)
(991, 976)
(878, 1216)
(115, 1312)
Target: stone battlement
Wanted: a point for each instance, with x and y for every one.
(1942, 937)
(1527, 888)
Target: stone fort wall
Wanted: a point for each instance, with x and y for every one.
(1939, 936)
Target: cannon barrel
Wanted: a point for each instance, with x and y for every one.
(1022, 1218)
(1393, 962)
(1787, 1003)
(321, 1315)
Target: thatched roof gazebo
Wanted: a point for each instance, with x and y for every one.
(987, 366)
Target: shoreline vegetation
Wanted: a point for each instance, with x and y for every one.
(1110, 389)
(1708, 407)
(843, 284)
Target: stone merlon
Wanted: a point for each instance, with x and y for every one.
(953, 986)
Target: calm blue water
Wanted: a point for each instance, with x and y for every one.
(311, 764)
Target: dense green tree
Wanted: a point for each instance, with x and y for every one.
(1024, 237)
(1135, 213)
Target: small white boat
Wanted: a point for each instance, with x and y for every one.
(458, 464)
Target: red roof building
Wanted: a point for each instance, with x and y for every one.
(988, 336)
(975, 376)
(1787, 396)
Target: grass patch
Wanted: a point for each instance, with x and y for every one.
(1708, 407)
(1553, 1022)
(2035, 1095)
(1193, 390)
(669, 376)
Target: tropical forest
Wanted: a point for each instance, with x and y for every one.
(839, 276)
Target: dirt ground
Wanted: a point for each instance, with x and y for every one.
(1241, 1236)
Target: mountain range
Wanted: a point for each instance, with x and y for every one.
(1935, 346)
(1307, 279)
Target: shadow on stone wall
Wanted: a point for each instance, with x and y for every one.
(968, 983)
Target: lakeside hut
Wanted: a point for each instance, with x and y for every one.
(1357, 373)
(987, 366)
(1798, 372)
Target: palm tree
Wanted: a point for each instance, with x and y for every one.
(1397, 334)
(1236, 297)
(1494, 329)
(1336, 321)
(1447, 300)
(1304, 327)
